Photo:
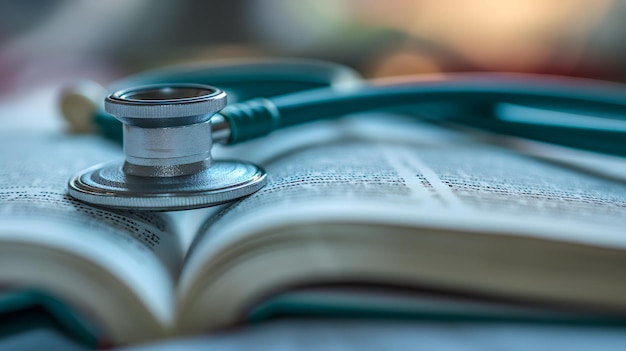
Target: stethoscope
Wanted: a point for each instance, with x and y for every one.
(170, 120)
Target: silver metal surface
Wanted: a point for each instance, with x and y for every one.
(108, 185)
(156, 144)
(165, 105)
(167, 141)
(220, 129)
(168, 147)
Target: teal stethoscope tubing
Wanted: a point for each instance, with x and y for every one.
(468, 99)
(477, 98)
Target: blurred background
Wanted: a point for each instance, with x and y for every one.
(60, 40)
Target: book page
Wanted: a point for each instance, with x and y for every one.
(447, 182)
(139, 249)
(420, 175)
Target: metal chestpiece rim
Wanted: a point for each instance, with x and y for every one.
(165, 105)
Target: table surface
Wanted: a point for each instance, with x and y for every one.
(329, 334)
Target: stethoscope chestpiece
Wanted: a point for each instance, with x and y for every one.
(167, 143)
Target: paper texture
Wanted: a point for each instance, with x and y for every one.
(139, 249)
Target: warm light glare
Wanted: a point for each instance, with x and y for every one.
(506, 35)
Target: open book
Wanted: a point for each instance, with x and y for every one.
(371, 200)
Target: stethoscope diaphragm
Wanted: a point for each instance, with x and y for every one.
(224, 181)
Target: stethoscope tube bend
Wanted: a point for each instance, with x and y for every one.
(258, 117)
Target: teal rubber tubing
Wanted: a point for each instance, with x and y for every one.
(250, 78)
(539, 91)
(259, 117)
